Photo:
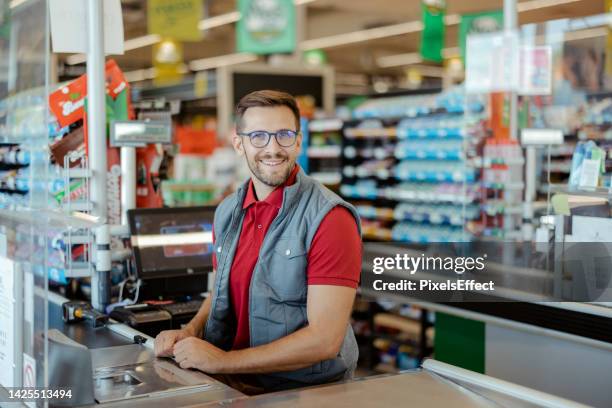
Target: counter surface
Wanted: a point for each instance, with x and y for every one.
(416, 389)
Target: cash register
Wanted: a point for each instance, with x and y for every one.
(172, 250)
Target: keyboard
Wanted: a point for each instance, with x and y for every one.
(190, 307)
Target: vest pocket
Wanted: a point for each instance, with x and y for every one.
(287, 269)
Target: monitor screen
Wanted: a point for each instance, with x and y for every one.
(172, 241)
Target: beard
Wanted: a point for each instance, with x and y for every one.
(273, 174)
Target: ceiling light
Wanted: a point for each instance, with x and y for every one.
(140, 75)
(218, 21)
(411, 58)
(221, 61)
(362, 35)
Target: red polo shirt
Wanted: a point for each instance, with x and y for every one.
(334, 257)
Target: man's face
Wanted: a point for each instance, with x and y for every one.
(273, 163)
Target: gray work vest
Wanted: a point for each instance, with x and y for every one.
(278, 288)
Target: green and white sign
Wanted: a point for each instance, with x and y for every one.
(432, 36)
(266, 26)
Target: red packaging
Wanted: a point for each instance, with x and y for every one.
(67, 103)
(115, 81)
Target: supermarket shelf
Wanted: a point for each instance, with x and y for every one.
(325, 125)
(426, 196)
(331, 178)
(377, 233)
(355, 133)
(324, 152)
(430, 133)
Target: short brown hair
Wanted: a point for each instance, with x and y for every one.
(267, 98)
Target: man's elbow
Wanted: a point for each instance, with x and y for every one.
(331, 348)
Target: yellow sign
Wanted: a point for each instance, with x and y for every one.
(175, 18)
(168, 62)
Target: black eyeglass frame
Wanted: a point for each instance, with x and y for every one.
(269, 135)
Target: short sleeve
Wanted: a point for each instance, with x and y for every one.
(334, 257)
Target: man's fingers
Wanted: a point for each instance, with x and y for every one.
(163, 344)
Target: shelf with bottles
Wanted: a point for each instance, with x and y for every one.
(23, 117)
(453, 193)
(427, 158)
(376, 213)
(324, 149)
(413, 106)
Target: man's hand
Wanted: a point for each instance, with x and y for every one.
(200, 354)
(165, 341)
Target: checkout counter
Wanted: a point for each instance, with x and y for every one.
(128, 374)
(112, 366)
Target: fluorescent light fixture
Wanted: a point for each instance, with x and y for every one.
(189, 238)
(148, 73)
(221, 61)
(399, 60)
(538, 4)
(218, 21)
(411, 58)
(585, 34)
(131, 44)
(362, 35)
(303, 2)
(140, 75)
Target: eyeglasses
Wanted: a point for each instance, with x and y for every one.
(261, 138)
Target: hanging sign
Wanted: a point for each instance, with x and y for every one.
(69, 26)
(432, 37)
(176, 19)
(266, 26)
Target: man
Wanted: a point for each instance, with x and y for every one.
(287, 260)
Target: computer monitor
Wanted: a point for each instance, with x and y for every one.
(172, 242)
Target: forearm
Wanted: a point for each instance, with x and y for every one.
(196, 325)
(300, 349)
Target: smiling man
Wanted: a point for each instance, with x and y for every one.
(288, 261)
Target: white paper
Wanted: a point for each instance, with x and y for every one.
(589, 173)
(7, 312)
(69, 26)
(29, 371)
(492, 62)
(536, 70)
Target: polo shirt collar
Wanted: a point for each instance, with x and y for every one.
(276, 197)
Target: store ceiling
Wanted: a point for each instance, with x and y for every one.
(333, 17)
